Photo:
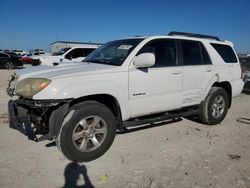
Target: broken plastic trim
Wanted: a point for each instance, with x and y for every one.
(24, 124)
(10, 90)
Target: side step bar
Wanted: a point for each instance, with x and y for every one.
(158, 118)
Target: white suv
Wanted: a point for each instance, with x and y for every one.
(125, 83)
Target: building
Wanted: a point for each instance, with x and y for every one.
(58, 45)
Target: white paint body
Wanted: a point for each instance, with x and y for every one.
(166, 88)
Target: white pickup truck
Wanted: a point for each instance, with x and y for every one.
(126, 83)
(66, 55)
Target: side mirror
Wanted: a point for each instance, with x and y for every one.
(144, 60)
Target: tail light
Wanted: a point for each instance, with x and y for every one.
(243, 69)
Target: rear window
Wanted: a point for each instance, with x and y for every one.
(226, 52)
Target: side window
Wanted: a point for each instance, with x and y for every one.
(79, 52)
(164, 51)
(191, 52)
(87, 51)
(226, 52)
(205, 57)
(75, 53)
(2, 55)
(69, 55)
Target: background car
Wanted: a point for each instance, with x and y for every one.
(32, 58)
(9, 60)
(67, 55)
(247, 82)
(19, 52)
(245, 61)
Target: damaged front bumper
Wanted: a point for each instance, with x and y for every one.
(38, 117)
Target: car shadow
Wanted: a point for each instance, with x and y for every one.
(194, 119)
(247, 92)
(75, 172)
(51, 144)
(20, 67)
(148, 126)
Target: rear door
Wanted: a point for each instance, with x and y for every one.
(158, 88)
(197, 71)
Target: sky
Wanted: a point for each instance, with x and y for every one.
(30, 24)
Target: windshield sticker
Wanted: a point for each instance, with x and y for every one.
(124, 47)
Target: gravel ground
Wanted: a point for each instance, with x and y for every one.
(171, 154)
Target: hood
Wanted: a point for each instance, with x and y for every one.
(72, 63)
(57, 71)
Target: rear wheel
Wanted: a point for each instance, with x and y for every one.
(9, 65)
(215, 106)
(89, 133)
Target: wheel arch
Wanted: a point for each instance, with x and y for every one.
(227, 87)
(108, 100)
(56, 121)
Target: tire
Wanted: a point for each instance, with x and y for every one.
(9, 66)
(215, 106)
(89, 133)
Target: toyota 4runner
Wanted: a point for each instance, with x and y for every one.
(125, 83)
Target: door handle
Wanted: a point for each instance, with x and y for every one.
(209, 70)
(177, 72)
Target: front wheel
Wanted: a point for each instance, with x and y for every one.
(215, 106)
(9, 66)
(89, 133)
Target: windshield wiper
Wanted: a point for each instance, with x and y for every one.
(96, 61)
(100, 62)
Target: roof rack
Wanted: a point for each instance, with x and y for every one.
(174, 33)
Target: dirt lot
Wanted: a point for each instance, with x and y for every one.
(176, 154)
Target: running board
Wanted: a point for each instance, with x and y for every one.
(158, 118)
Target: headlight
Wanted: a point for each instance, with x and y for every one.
(31, 86)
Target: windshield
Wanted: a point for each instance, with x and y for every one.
(114, 52)
(61, 52)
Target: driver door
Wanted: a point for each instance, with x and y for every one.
(158, 88)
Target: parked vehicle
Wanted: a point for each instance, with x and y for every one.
(70, 54)
(39, 52)
(26, 59)
(247, 82)
(126, 83)
(64, 57)
(245, 61)
(31, 59)
(9, 60)
(19, 52)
